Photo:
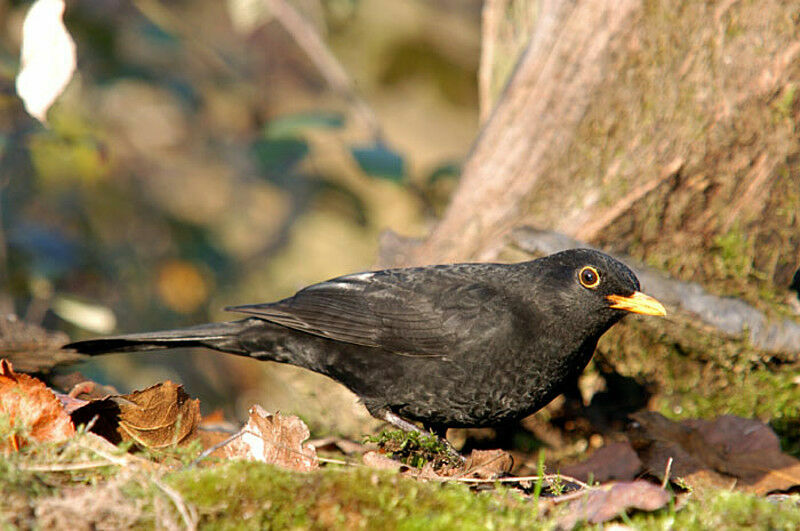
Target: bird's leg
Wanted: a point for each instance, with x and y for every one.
(407, 426)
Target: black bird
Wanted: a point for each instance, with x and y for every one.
(460, 345)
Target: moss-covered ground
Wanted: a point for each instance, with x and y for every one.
(243, 495)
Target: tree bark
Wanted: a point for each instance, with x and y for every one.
(536, 119)
(664, 131)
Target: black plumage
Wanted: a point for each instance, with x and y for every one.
(458, 345)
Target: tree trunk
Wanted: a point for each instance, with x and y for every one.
(663, 130)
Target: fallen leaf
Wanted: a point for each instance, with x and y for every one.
(332, 444)
(157, 417)
(381, 462)
(47, 57)
(31, 409)
(727, 451)
(609, 501)
(69, 403)
(656, 439)
(276, 439)
(488, 464)
(617, 461)
(92, 317)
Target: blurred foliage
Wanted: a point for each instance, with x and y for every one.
(191, 165)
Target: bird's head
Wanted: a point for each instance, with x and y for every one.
(592, 286)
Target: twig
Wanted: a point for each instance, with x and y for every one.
(64, 467)
(120, 461)
(186, 511)
(567, 497)
(667, 470)
(213, 448)
(89, 425)
(338, 461)
(519, 479)
(307, 38)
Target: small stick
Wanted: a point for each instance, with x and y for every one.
(666, 473)
(211, 449)
(336, 461)
(120, 461)
(186, 512)
(520, 479)
(64, 467)
(567, 497)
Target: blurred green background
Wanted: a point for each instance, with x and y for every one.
(200, 159)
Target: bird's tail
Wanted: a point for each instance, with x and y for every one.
(218, 336)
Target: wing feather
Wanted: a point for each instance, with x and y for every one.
(420, 312)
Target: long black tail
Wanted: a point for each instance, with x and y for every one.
(226, 337)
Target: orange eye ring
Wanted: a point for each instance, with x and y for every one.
(589, 277)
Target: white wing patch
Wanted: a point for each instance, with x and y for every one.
(356, 281)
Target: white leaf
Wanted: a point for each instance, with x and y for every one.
(92, 317)
(47, 57)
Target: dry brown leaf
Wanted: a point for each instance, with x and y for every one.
(276, 439)
(481, 464)
(617, 461)
(28, 405)
(727, 451)
(381, 462)
(488, 464)
(657, 439)
(338, 444)
(69, 403)
(607, 502)
(157, 417)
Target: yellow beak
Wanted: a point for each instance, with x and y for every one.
(637, 303)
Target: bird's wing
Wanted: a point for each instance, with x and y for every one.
(419, 312)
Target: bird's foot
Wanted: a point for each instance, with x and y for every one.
(407, 426)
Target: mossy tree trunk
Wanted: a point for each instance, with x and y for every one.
(664, 130)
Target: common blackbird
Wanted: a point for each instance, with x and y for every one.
(460, 345)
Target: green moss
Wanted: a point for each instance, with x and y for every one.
(706, 375)
(241, 495)
(785, 102)
(413, 448)
(732, 251)
(722, 510)
(246, 495)
(772, 396)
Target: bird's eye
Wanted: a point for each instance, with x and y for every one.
(589, 277)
